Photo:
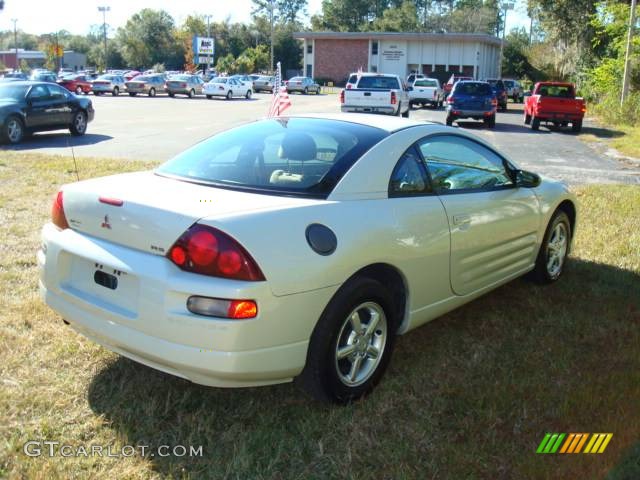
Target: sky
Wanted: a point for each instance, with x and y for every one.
(46, 16)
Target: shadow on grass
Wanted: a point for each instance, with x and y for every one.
(471, 394)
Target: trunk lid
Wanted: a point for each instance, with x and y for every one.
(366, 98)
(155, 210)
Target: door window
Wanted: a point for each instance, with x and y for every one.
(57, 93)
(409, 176)
(38, 93)
(458, 164)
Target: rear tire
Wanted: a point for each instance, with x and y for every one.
(13, 130)
(535, 123)
(450, 120)
(248, 95)
(306, 91)
(406, 114)
(552, 256)
(152, 92)
(209, 97)
(490, 122)
(527, 119)
(78, 90)
(229, 95)
(192, 93)
(171, 94)
(576, 126)
(351, 344)
(132, 94)
(115, 92)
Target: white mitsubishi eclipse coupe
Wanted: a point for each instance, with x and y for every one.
(297, 248)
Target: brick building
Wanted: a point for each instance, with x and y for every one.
(334, 55)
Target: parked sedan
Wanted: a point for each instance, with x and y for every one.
(76, 83)
(263, 83)
(321, 238)
(186, 84)
(109, 83)
(146, 84)
(302, 85)
(227, 87)
(27, 107)
(43, 77)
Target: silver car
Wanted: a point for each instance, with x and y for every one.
(185, 84)
(109, 83)
(263, 83)
(303, 85)
(146, 84)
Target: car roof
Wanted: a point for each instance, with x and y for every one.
(383, 122)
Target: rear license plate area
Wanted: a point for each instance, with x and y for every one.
(101, 285)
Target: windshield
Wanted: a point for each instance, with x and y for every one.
(470, 88)
(12, 92)
(426, 83)
(142, 78)
(386, 83)
(295, 156)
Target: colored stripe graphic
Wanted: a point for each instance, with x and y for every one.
(573, 443)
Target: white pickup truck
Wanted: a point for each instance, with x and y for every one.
(377, 93)
(426, 91)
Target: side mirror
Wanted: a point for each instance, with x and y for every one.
(526, 179)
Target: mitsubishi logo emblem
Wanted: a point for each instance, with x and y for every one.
(106, 223)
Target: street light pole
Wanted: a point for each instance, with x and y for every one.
(15, 39)
(104, 11)
(505, 7)
(627, 58)
(208, 67)
(271, 6)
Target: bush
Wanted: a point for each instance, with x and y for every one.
(608, 108)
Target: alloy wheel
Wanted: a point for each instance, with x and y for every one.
(360, 344)
(557, 250)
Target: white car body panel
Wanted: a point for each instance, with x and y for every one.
(238, 89)
(443, 263)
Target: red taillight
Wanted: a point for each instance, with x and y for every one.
(451, 100)
(58, 217)
(494, 102)
(394, 100)
(208, 251)
(349, 86)
(341, 96)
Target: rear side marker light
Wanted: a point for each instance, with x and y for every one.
(58, 217)
(222, 308)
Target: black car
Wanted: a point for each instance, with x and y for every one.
(27, 107)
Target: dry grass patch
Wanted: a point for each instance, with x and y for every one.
(469, 395)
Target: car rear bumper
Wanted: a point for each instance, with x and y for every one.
(148, 320)
(462, 113)
(558, 116)
(361, 109)
(180, 91)
(102, 88)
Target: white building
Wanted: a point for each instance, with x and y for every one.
(334, 55)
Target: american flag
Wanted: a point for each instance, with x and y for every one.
(280, 101)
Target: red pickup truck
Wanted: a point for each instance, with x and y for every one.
(556, 103)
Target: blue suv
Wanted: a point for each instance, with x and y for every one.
(472, 99)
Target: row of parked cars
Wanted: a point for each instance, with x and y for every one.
(464, 98)
(173, 83)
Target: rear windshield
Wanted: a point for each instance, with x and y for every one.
(496, 83)
(13, 92)
(387, 83)
(471, 88)
(295, 156)
(556, 91)
(426, 83)
(508, 83)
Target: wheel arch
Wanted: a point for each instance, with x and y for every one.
(393, 279)
(568, 207)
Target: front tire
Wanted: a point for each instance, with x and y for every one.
(13, 130)
(115, 92)
(132, 94)
(527, 119)
(554, 250)
(152, 92)
(192, 93)
(535, 123)
(78, 90)
(248, 95)
(306, 91)
(79, 125)
(229, 95)
(351, 344)
(576, 126)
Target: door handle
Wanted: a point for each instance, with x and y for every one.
(461, 219)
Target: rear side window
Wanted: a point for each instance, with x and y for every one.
(409, 176)
(470, 88)
(296, 156)
(385, 83)
(425, 83)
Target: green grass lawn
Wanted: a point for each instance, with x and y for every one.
(469, 395)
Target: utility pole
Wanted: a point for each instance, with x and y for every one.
(271, 7)
(505, 8)
(104, 11)
(208, 67)
(15, 39)
(627, 57)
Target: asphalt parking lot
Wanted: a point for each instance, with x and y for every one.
(158, 128)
